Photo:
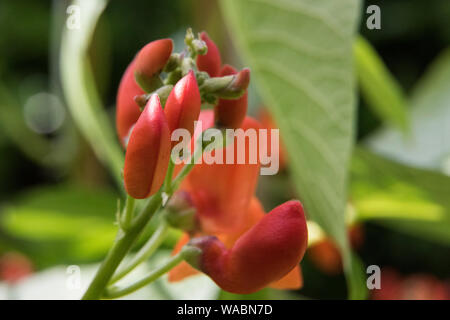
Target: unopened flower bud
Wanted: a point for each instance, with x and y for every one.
(148, 152)
(183, 104)
(200, 46)
(150, 61)
(238, 85)
(230, 113)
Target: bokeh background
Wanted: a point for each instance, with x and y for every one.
(57, 200)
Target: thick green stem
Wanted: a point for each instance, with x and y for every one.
(116, 292)
(146, 251)
(120, 248)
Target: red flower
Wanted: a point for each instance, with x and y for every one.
(148, 152)
(263, 254)
(249, 250)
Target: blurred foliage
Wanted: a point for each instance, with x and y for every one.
(404, 198)
(427, 144)
(381, 91)
(61, 224)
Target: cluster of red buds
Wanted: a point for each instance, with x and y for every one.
(239, 246)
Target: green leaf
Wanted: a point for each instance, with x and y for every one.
(407, 199)
(80, 88)
(300, 54)
(379, 88)
(427, 144)
(63, 224)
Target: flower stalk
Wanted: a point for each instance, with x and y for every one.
(117, 292)
(144, 253)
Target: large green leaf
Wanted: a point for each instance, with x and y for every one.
(300, 54)
(379, 88)
(427, 145)
(408, 199)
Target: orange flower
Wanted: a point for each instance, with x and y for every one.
(244, 236)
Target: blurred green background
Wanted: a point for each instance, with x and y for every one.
(57, 200)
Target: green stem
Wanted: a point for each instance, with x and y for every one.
(128, 212)
(124, 241)
(144, 253)
(116, 292)
(169, 175)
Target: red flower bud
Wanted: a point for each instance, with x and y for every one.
(127, 110)
(183, 104)
(209, 62)
(150, 61)
(242, 79)
(148, 152)
(262, 255)
(230, 113)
